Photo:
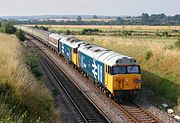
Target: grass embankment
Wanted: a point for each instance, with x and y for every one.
(23, 97)
(160, 65)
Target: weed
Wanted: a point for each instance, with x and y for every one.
(148, 55)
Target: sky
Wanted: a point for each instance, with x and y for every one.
(88, 7)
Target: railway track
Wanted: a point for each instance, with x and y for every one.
(88, 112)
(85, 110)
(136, 114)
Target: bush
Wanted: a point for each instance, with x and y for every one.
(5, 89)
(90, 31)
(20, 34)
(148, 55)
(7, 27)
(157, 34)
(165, 34)
(42, 28)
(126, 33)
(177, 43)
(67, 32)
(32, 62)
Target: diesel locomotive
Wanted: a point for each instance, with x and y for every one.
(116, 74)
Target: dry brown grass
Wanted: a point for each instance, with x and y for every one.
(26, 88)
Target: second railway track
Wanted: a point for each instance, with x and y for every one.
(137, 114)
(86, 111)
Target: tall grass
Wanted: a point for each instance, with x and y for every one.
(22, 95)
(161, 66)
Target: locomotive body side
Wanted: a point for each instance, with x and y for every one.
(92, 67)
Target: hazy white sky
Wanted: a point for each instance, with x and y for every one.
(93, 7)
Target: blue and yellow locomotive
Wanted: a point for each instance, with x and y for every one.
(116, 74)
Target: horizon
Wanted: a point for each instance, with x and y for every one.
(83, 15)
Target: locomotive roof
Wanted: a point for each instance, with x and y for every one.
(72, 41)
(106, 56)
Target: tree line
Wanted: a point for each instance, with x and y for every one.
(8, 27)
(144, 19)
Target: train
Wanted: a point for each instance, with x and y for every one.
(118, 75)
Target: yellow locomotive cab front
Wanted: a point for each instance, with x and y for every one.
(120, 79)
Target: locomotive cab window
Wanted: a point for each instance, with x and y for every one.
(75, 50)
(109, 70)
(106, 68)
(133, 69)
(125, 70)
(118, 70)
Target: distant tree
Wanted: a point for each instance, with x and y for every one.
(95, 17)
(177, 17)
(7, 27)
(162, 16)
(79, 19)
(145, 18)
(119, 19)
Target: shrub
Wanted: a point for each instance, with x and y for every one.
(90, 31)
(165, 34)
(42, 28)
(7, 27)
(157, 34)
(177, 43)
(126, 33)
(20, 34)
(5, 89)
(148, 55)
(32, 62)
(67, 32)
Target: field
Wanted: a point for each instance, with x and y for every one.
(139, 32)
(114, 27)
(23, 97)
